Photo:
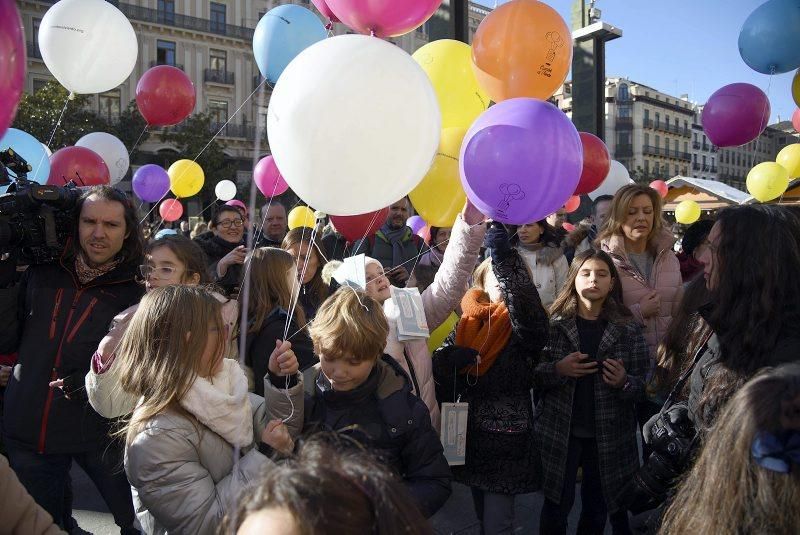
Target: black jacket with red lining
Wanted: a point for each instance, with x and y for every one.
(58, 327)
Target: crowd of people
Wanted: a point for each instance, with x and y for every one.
(207, 386)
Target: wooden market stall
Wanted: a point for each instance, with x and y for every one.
(709, 194)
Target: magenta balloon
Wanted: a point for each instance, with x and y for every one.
(268, 179)
(150, 183)
(385, 18)
(521, 160)
(322, 7)
(12, 63)
(415, 223)
(735, 114)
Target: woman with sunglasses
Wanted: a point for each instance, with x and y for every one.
(225, 248)
(170, 260)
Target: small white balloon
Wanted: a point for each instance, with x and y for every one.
(88, 45)
(353, 124)
(111, 150)
(617, 177)
(225, 190)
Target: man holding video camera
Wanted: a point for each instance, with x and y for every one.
(64, 310)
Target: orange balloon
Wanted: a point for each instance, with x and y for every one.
(522, 49)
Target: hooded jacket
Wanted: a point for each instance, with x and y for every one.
(548, 266)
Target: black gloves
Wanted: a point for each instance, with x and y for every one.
(497, 241)
(450, 358)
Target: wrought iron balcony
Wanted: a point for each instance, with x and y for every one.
(218, 76)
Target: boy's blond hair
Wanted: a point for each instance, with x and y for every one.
(349, 324)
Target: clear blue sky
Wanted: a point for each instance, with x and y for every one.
(683, 46)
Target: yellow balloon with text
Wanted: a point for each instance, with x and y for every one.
(301, 216)
(767, 181)
(186, 178)
(687, 212)
(441, 332)
(439, 198)
(789, 157)
(448, 64)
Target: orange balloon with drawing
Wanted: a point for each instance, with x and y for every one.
(522, 49)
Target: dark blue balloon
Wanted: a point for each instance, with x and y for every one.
(769, 41)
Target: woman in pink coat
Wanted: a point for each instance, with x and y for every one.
(439, 300)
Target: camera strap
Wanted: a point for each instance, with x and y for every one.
(678, 388)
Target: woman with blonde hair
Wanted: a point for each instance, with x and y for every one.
(194, 415)
(273, 279)
(747, 478)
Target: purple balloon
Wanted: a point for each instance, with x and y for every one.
(521, 160)
(12, 63)
(150, 183)
(735, 115)
(415, 222)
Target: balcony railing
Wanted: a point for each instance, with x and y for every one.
(713, 169)
(696, 145)
(624, 121)
(156, 62)
(218, 76)
(33, 50)
(666, 153)
(666, 127)
(623, 151)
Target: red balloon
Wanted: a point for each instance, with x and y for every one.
(660, 186)
(355, 227)
(796, 120)
(572, 204)
(165, 96)
(170, 210)
(596, 163)
(77, 164)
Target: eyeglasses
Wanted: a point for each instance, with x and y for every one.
(226, 223)
(163, 272)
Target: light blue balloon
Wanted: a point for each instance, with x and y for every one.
(769, 41)
(31, 150)
(281, 34)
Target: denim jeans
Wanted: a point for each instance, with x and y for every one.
(495, 511)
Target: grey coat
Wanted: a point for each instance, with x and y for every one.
(183, 475)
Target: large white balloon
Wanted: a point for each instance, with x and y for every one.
(353, 124)
(111, 150)
(88, 45)
(617, 177)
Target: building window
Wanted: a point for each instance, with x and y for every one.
(694, 158)
(218, 16)
(218, 110)
(684, 171)
(165, 52)
(685, 126)
(694, 137)
(623, 93)
(704, 139)
(36, 24)
(39, 83)
(666, 120)
(646, 115)
(647, 166)
(685, 146)
(623, 138)
(658, 141)
(218, 60)
(713, 162)
(658, 118)
(625, 111)
(109, 104)
(166, 11)
(646, 139)
(704, 162)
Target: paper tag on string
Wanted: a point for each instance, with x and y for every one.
(352, 272)
(410, 313)
(454, 432)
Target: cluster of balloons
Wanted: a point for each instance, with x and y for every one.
(768, 180)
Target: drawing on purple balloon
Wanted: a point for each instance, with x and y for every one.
(510, 192)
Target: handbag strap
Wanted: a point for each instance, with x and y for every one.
(678, 388)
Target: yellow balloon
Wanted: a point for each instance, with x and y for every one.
(448, 64)
(767, 181)
(301, 216)
(687, 212)
(789, 157)
(186, 178)
(439, 197)
(441, 332)
(796, 87)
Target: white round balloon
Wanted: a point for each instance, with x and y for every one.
(617, 177)
(111, 150)
(353, 124)
(88, 45)
(225, 190)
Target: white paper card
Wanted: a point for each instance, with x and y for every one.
(454, 432)
(352, 272)
(411, 322)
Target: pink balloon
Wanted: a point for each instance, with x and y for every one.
(796, 120)
(237, 204)
(569, 227)
(660, 186)
(12, 62)
(268, 179)
(78, 164)
(384, 18)
(323, 8)
(170, 210)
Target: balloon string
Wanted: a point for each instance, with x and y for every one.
(257, 231)
(52, 135)
(135, 145)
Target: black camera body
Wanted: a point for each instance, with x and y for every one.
(36, 221)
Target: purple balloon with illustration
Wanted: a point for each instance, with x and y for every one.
(268, 178)
(384, 18)
(322, 7)
(415, 223)
(150, 183)
(735, 115)
(12, 62)
(521, 160)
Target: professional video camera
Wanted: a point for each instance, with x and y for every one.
(35, 221)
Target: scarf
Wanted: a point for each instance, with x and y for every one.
(222, 404)
(87, 274)
(395, 238)
(485, 327)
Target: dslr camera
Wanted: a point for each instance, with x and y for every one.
(35, 221)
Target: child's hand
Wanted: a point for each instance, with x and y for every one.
(283, 361)
(276, 435)
(573, 366)
(614, 373)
